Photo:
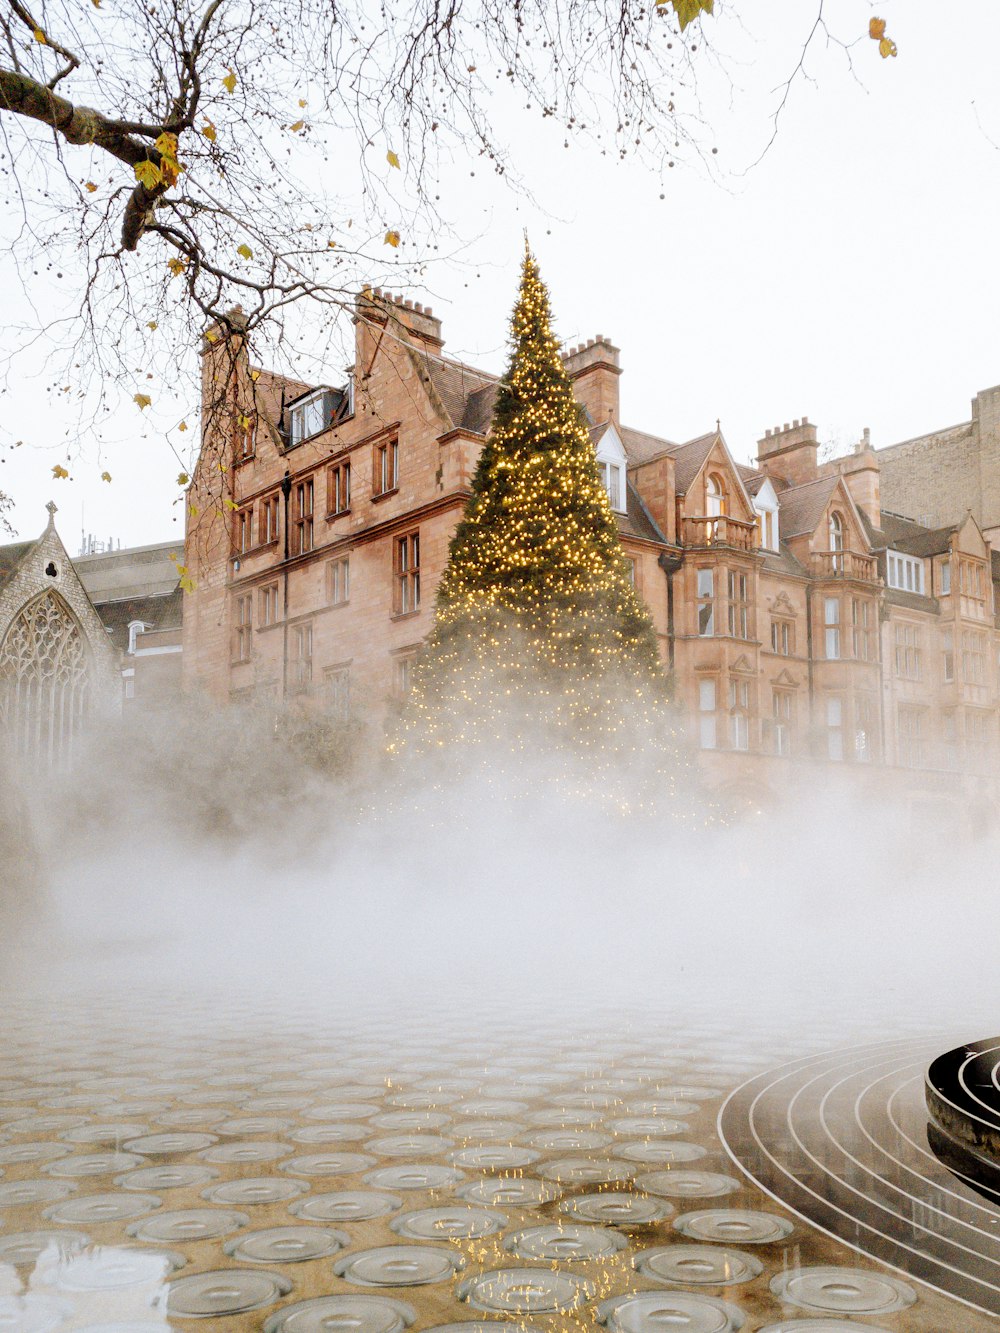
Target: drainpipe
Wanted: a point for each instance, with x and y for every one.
(286, 490)
(670, 564)
(809, 659)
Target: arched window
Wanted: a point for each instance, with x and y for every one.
(837, 542)
(44, 680)
(715, 495)
(836, 532)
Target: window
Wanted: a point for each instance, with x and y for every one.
(905, 572)
(309, 416)
(781, 713)
(945, 577)
(973, 657)
(268, 605)
(706, 602)
(302, 519)
(243, 628)
(864, 640)
(338, 488)
(739, 610)
(831, 626)
(739, 708)
(908, 655)
(267, 528)
(706, 714)
(782, 637)
(977, 738)
(971, 579)
(911, 739)
(835, 728)
(385, 473)
(836, 527)
(338, 581)
(246, 436)
(403, 673)
(948, 653)
(614, 483)
(863, 733)
(949, 736)
(302, 665)
(630, 570)
(767, 521)
(129, 682)
(244, 530)
(338, 692)
(407, 573)
(715, 496)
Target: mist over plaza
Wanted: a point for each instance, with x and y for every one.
(499, 668)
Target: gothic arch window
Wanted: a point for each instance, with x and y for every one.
(44, 680)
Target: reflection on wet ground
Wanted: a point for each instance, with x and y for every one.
(188, 1165)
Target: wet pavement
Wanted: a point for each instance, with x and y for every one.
(240, 1164)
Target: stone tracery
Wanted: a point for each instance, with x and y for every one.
(44, 680)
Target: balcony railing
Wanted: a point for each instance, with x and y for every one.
(844, 565)
(719, 530)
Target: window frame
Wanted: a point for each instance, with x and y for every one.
(385, 467)
(243, 628)
(303, 532)
(338, 488)
(705, 602)
(268, 521)
(406, 573)
(267, 605)
(738, 603)
(338, 580)
(831, 630)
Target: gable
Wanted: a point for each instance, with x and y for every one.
(608, 445)
(970, 538)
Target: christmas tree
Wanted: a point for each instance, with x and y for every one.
(540, 641)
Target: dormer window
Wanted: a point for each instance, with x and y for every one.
(765, 504)
(611, 464)
(905, 572)
(315, 412)
(836, 532)
(613, 479)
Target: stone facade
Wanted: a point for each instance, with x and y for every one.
(57, 666)
(319, 522)
(940, 477)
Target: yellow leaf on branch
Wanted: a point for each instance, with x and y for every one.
(183, 426)
(297, 126)
(39, 36)
(166, 145)
(148, 173)
(688, 10)
(208, 130)
(255, 375)
(176, 266)
(229, 504)
(302, 101)
(229, 82)
(90, 187)
(876, 29)
(105, 476)
(392, 159)
(59, 472)
(392, 238)
(244, 250)
(152, 324)
(182, 479)
(142, 400)
(886, 48)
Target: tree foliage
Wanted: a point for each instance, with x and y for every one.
(541, 644)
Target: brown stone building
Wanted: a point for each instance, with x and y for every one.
(802, 622)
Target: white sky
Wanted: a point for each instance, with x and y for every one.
(850, 276)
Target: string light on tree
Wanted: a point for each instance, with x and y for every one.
(540, 640)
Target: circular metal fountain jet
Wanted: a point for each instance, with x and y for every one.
(962, 1090)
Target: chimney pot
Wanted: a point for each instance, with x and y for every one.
(767, 433)
(418, 308)
(795, 422)
(805, 421)
(407, 305)
(785, 427)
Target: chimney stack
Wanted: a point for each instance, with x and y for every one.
(594, 368)
(790, 451)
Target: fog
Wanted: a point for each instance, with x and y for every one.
(200, 852)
